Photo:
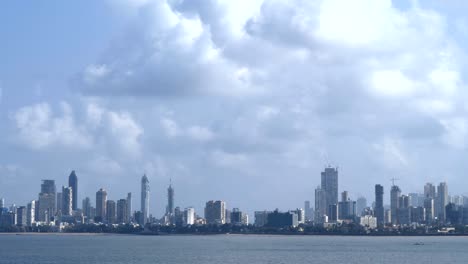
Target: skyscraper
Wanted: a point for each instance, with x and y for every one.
(379, 205)
(442, 201)
(170, 200)
(47, 202)
(395, 193)
(145, 193)
(361, 204)
(30, 214)
(101, 200)
(111, 212)
(2, 202)
(321, 208)
(215, 212)
(122, 216)
(73, 183)
(86, 207)
(429, 190)
(329, 184)
(189, 216)
(129, 206)
(67, 198)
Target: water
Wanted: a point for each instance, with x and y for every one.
(117, 249)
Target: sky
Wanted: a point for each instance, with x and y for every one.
(243, 101)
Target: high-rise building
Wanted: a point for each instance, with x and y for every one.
(238, 217)
(309, 211)
(122, 216)
(261, 218)
(320, 204)
(129, 206)
(2, 203)
(86, 207)
(215, 212)
(346, 208)
(21, 214)
(73, 184)
(111, 212)
(404, 210)
(189, 216)
(429, 209)
(101, 200)
(170, 200)
(442, 201)
(395, 193)
(329, 184)
(67, 197)
(145, 196)
(47, 202)
(379, 205)
(59, 202)
(361, 204)
(429, 190)
(30, 214)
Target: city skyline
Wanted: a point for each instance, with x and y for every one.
(265, 99)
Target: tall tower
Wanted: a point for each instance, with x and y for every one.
(170, 200)
(129, 206)
(145, 193)
(329, 185)
(67, 194)
(395, 193)
(47, 202)
(101, 200)
(442, 200)
(379, 204)
(73, 183)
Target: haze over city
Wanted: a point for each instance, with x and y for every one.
(243, 102)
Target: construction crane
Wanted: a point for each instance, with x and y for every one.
(393, 180)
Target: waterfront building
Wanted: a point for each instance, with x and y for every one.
(368, 221)
(101, 200)
(346, 207)
(329, 184)
(189, 216)
(67, 201)
(309, 211)
(321, 208)
(111, 212)
(332, 213)
(238, 217)
(59, 202)
(170, 200)
(47, 201)
(21, 216)
(73, 184)
(129, 206)
(215, 212)
(145, 197)
(395, 194)
(418, 215)
(86, 207)
(122, 216)
(403, 211)
(2, 203)
(261, 218)
(278, 219)
(442, 201)
(379, 205)
(429, 209)
(361, 204)
(30, 213)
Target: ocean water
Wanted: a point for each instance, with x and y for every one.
(120, 249)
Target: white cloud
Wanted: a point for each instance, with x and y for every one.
(170, 127)
(200, 133)
(38, 127)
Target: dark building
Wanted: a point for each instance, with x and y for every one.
(454, 214)
(329, 185)
(73, 183)
(332, 213)
(395, 194)
(170, 200)
(279, 220)
(379, 205)
(346, 208)
(111, 212)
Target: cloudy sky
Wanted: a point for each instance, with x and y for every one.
(244, 101)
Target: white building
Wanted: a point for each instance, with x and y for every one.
(189, 216)
(368, 221)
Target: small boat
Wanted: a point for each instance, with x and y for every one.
(419, 244)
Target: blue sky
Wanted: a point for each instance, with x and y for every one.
(243, 101)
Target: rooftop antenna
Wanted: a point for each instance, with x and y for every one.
(393, 180)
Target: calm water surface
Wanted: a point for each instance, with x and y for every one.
(115, 249)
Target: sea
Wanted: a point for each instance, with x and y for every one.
(226, 249)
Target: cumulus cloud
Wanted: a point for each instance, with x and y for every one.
(38, 127)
